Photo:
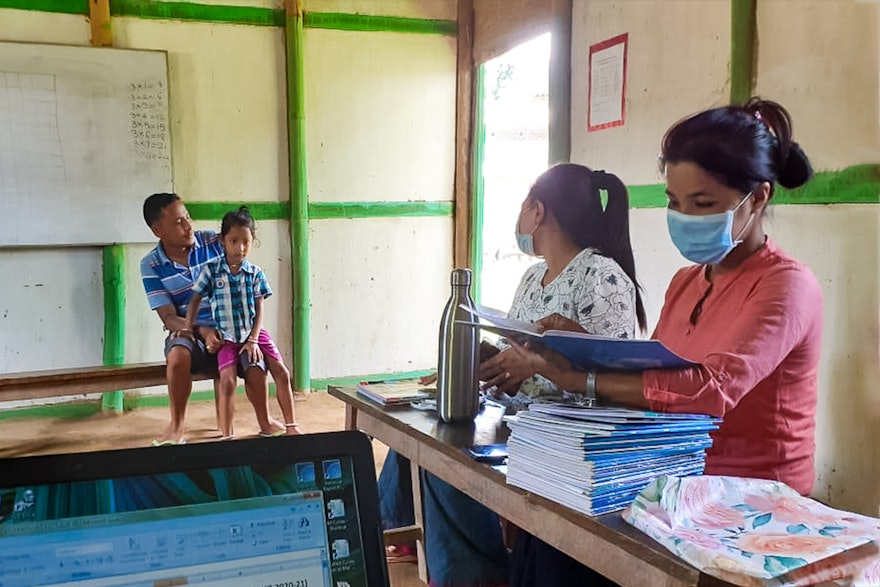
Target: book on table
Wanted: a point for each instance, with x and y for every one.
(582, 349)
(595, 460)
(396, 393)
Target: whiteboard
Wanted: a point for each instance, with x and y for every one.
(84, 138)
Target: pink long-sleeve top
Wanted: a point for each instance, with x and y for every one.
(756, 334)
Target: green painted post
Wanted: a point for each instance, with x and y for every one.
(299, 196)
(743, 27)
(114, 318)
(478, 184)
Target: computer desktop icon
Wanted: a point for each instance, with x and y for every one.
(340, 549)
(332, 469)
(305, 472)
(335, 509)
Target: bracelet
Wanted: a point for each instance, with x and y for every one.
(253, 340)
(590, 396)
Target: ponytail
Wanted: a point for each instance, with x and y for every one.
(614, 233)
(793, 166)
(241, 217)
(570, 192)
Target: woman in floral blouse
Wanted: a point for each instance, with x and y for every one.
(587, 275)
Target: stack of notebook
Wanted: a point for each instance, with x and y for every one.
(596, 460)
(395, 393)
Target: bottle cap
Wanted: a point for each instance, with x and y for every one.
(461, 277)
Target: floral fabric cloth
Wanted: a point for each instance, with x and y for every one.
(757, 532)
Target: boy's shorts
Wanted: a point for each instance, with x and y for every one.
(230, 352)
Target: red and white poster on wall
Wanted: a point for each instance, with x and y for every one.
(606, 97)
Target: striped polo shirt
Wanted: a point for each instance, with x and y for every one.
(167, 282)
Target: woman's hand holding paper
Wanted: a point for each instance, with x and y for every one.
(505, 371)
(558, 322)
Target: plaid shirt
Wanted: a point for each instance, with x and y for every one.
(233, 296)
(167, 282)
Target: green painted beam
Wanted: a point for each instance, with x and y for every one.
(743, 43)
(63, 411)
(365, 22)
(61, 6)
(859, 184)
(647, 196)
(299, 200)
(134, 401)
(114, 317)
(478, 184)
(323, 210)
(196, 12)
(243, 15)
(259, 210)
(321, 384)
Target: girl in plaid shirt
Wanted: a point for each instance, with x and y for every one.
(236, 288)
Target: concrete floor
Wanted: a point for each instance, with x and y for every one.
(316, 412)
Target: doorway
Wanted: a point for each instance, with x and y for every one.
(513, 90)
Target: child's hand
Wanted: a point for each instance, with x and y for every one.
(254, 354)
(184, 333)
(212, 339)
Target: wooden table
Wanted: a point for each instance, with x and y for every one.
(605, 543)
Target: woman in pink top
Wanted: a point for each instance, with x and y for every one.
(749, 314)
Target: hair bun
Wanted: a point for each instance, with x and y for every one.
(796, 169)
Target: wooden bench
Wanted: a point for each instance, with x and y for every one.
(61, 382)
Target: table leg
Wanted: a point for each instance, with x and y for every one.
(419, 519)
(351, 417)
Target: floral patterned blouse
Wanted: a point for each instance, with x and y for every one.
(592, 290)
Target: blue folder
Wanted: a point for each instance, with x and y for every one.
(587, 350)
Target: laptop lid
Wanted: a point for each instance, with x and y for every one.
(295, 511)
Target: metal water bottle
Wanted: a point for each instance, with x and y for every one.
(458, 393)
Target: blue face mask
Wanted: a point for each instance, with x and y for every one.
(525, 242)
(705, 239)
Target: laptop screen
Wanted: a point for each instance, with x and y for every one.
(261, 513)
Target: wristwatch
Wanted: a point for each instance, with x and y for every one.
(590, 394)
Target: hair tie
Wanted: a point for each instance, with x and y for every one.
(760, 118)
(600, 179)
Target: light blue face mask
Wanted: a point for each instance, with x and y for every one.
(705, 239)
(525, 242)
